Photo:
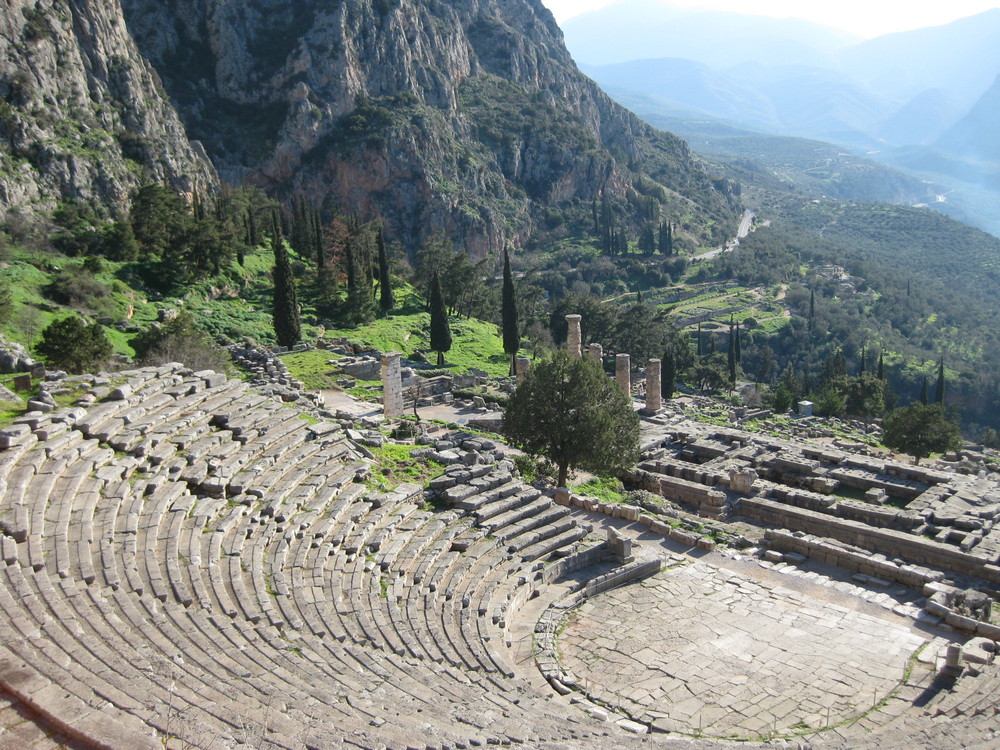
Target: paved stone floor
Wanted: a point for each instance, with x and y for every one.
(700, 648)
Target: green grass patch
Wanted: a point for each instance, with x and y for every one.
(475, 343)
(605, 489)
(396, 466)
(312, 369)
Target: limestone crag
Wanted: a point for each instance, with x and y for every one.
(83, 115)
(461, 116)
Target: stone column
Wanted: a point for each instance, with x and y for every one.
(953, 659)
(596, 352)
(623, 373)
(523, 365)
(574, 338)
(654, 399)
(392, 386)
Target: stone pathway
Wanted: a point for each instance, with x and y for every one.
(702, 649)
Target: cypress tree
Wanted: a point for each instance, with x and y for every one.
(739, 345)
(287, 327)
(440, 330)
(863, 370)
(881, 366)
(731, 356)
(668, 380)
(812, 307)
(386, 300)
(317, 239)
(939, 389)
(923, 391)
(253, 235)
(700, 347)
(511, 335)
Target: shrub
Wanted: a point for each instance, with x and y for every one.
(75, 287)
(72, 344)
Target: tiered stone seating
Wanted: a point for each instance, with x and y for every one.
(189, 564)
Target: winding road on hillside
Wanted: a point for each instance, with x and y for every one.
(746, 225)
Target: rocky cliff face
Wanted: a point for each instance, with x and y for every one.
(82, 114)
(455, 115)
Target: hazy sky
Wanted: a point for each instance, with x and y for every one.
(864, 18)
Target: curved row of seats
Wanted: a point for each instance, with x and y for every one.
(185, 559)
(187, 563)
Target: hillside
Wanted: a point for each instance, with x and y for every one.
(466, 117)
(82, 114)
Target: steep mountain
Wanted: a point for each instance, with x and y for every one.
(82, 114)
(647, 29)
(465, 117)
(975, 135)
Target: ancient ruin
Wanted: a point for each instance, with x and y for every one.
(190, 563)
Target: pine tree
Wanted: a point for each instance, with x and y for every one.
(511, 335)
(386, 300)
(287, 327)
(569, 411)
(939, 388)
(440, 330)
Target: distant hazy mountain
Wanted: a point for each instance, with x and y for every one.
(976, 135)
(637, 29)
(923, 119)
(926, 101)
(793, 76)
(961, 58)
(801, 101)
(690, 85)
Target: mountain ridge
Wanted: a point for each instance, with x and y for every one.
(394, 110)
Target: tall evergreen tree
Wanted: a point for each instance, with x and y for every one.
(881, 366)
(939, 388)
(731, 356)
(287, 327)
(386, 300)
(318, 250)
(701, 349)
(508, 313)
(923, 390)
(569, 411)
(668, 379)
(440, 330)
(739, 345)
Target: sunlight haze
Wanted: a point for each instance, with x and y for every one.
(863, 18)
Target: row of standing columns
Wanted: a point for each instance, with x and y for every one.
(623, 364)
(392, 387)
